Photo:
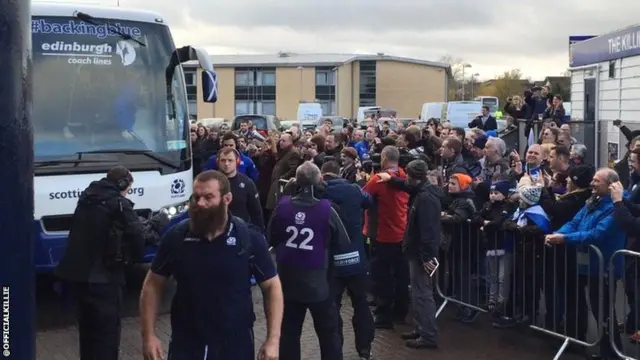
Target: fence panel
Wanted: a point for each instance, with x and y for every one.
(629, 262)
(511, 274)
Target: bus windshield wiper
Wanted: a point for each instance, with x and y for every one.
(93, 21)
(75, 162)
(147, 153)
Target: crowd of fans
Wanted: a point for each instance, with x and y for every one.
(512, 227)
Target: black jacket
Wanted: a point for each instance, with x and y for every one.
(422, 234)
(105, 235)
(627, 216)
(490, 124)
(246, 201)
(496, 214)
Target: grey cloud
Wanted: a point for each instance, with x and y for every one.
(469, 29)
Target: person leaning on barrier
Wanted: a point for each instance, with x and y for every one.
(523, 239)
(305, 232)
(561, 277)
(627, 217)
(594, 225)
(106, 235)
(420, 247)
(456, 240)
(491, 218)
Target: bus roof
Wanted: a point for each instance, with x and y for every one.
(104, 12)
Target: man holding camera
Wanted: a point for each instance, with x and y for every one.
(105, 237)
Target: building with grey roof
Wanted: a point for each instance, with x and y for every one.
(274, 84)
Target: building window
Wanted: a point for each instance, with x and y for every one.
(266, 78)
(190, 78)
(367, 83)
(266, 107)
(243, 107)
(325, 78)
(328, 107)
(326, 89)
(244, 78)
(192, 93)
(193, 109)
(255, 91)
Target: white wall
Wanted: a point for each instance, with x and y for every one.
(577, 94)
(618, 98)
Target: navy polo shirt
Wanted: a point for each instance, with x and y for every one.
(213, 293)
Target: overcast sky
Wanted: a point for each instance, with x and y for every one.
(491, 35)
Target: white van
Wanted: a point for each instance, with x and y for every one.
(491, 101)
(308, 114)
(433, 110)
(460, 113)
(365, 109)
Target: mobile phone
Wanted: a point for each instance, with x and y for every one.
(435, 268)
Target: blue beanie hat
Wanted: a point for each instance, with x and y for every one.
(492, 133)
(502, 187)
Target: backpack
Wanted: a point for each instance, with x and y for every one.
(244, 237)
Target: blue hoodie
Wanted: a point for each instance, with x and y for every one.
(362, 147)
(351, 199)
(596, 226)
(246, 167)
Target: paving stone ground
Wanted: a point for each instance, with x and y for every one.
(57, 336)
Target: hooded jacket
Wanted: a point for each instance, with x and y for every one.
(350, 200)
(105, 234)
(594, 224)
(422, 235)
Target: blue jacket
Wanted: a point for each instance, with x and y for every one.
(596, 227)
(540, 105)
(351, 199)
(246, 167)
(362, 147)
(126, 106)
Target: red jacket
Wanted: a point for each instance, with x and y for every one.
(392, 209)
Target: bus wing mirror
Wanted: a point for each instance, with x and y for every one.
(209, 77)
(209, 83)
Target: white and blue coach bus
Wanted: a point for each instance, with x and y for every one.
(108, 89)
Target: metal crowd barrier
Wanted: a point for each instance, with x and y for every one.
(520, 281)
(281, 184)
(631, 316)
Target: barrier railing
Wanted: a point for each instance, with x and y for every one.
(511, 274)
(627, 272)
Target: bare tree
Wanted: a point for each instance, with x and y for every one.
(455, 88)
(456, 66)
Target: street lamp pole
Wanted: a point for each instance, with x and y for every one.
(465, 65)
(300, 68)
(473, 84)
(335, 86)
